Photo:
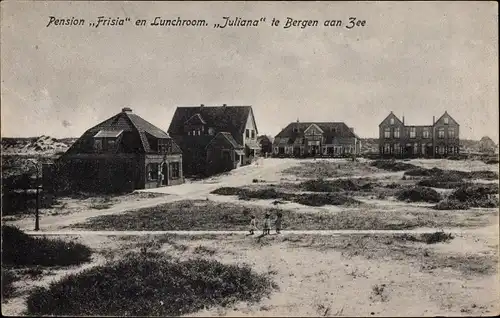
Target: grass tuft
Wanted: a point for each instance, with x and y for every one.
(19, 249)
(153, 286)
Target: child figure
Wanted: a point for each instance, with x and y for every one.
(253, 225)
(277, 223)
(267, 224)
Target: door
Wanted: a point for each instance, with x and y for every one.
(227, 163)
(164, 174)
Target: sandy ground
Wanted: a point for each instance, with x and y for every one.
(328, 276)
(314, 278)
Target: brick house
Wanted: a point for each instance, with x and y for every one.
(441, 139)
(123, 153)
(309, 139)
(214, 139)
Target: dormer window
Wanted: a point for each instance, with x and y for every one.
(164, 146)
(211, 131)
(253, 134)
(446, 120)
(392, 121)
(334, 130)
(105, 140)
(295, 130)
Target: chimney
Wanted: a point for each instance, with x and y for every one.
(202, 105)
(403, 120)
(433, 120)
(224, 105)
(126, 110)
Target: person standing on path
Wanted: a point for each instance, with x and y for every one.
(267, 224)
(253, 224)
(278, 222)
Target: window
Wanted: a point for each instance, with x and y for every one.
(211, 131)
(253, 134)
(441, 150)
(152, 170)
(175, 171)
(441, 132)
(397, 148)
(426, 133)
(164, 146)
(423, 149)
(387, 132)
(247, 133)
(104, 144)
(392, 121)
(446, 120)
(295, 130)
(98, 145)
(413, 132)
(189, 133)
(396, 132)
(451, 132)
(415, 148)
(387, 148)
(194, 133)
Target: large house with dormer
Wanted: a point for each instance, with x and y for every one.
(123, 153)
(215, 139)
(399, 140)
(311, 139)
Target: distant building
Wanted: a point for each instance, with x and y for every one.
(310, 139)
(215, 138)
(123, 153)
(441, 139)
(487, 145)
(266, 145)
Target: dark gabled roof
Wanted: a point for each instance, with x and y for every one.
(230, 119)
(391, 114)
(131, 125)
(195, 119)
(229, 138)
(446, 113)
(331, 130)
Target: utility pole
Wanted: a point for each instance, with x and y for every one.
(37, 215)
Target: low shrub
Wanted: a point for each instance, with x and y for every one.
(451, 205)
(320, 199)
(392, 165)
(227, 191)
(19, 249)
(418, 194)
(154, 286)
(392, 185)
(442, 183)
(477, 195)
(491, 161)
(8, 278)
(428, 238)
(436, 237)
(320, 185)
(452, 175)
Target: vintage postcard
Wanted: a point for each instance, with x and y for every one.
(250, 158)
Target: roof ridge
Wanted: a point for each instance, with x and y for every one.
(136, 128)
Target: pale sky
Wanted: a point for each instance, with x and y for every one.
(417, 59)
